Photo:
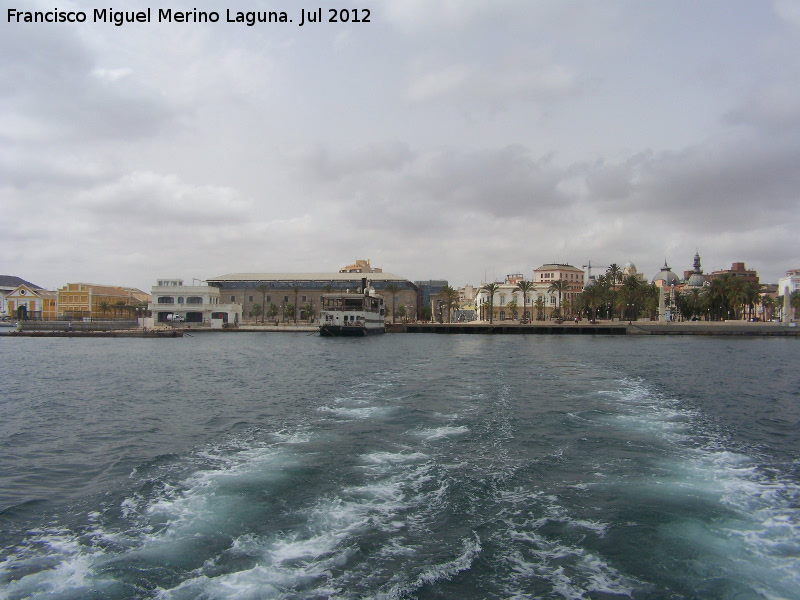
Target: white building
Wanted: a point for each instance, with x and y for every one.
(508, 300)
(191, 303)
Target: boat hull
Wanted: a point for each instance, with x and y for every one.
(343, 331)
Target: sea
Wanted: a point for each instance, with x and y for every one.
(253, 466)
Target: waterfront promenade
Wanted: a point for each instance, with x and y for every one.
(728, 328)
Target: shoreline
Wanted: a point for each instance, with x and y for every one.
(635, 328)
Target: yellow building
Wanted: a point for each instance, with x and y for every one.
(30, 303)
(88, 300)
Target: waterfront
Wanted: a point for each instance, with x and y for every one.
(458, 466)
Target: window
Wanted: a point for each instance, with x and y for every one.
(194, 300)
(166, 300)
(286, 298)
(302, 298)
(502, 299)
(268, 298)
(233, 298)
(180, 299)
(249, 298)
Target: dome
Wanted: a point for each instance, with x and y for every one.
(666, 276)
(696, 279)
(629, 269)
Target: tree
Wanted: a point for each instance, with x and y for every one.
(393, 291)
(450, 299)
(118, 306)
(525, 287)
(255, 311)
(767, 307)
(309, 310)
(401, 312)
(289, 309)
(263, 288)
(751, 294)
(591, 298)
(560, 286)
(272, 311)
(613, 278)
(540, 306)
(104, 307)
(513, 306)
(491, 289)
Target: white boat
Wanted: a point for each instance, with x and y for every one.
(352, 314)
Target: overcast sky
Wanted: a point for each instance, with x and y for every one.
(450, 139)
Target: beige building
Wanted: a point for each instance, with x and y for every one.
(299, 295)
(360, 266)
(89, 300)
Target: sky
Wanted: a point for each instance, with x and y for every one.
(442, 139)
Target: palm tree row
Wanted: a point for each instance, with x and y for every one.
(725, 297)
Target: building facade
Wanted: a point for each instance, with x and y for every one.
(298, 296)
(26, 303)
(191, 304)
(93, 301)
(544, 277)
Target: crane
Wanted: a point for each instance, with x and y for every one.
(588, 268)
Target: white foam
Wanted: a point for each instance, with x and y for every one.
(366, 412)
(438, 433)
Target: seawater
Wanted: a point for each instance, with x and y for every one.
(254, 466)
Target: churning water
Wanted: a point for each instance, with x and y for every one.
(254, 466)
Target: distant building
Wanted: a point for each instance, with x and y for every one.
(739, 270)
(90, 300)
(630, 270)
(193, 303)
(360, 266)
(304, 290)
(27, 302)
(666, 278)
(694, 279)
(8, 283)
(544, 277)
(428, 296)
(789, 285)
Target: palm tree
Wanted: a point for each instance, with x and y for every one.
(614, 277)
(263, 288)
(525, 287)
(512, 307)
(450, 298)
(491, 289)
(393, 291)
(560, 286)
(591, 297)
(401, 312)
(767, 306)
(120, 305)
(104, 306)
(540, 306)
(751, 295)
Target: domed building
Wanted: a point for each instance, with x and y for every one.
(630, 269)
(666, 277)
(696, 279)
